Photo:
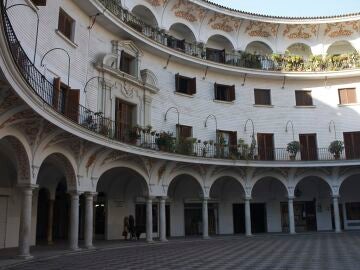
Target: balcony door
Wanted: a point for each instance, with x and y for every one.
(266, 146)
(352, 145)
(124, 115)
(308, 146)
(215, 55)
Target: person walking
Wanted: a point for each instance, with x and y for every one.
(126, 227)
(132, 227)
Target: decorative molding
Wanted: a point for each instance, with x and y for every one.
(224, 23)
(261, 29)
(157, 3)
(188, 11)
(304, 31)
(345, 29)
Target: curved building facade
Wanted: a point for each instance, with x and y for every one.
(193, 118)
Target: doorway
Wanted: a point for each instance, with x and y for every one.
(308, 147)
(193, 219)
(258, 218)
(304, 215)
(42, 214)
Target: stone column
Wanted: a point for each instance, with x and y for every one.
(163, 219)
(74, 221)
(291, 215)
(336, 213)
(50, 222)
(149, 221)
(247, 216)
(89, 217)
(25, 222)
(205, 218)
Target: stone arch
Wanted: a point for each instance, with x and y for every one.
(347, 175)
(22, 157)
(318, 174)
(259, 47)
(340, 47)
(176, 180)
(275, 175)
(310, 177)
(221, 42)
(223, 180)
(182, 31)
(271, 180)
(171, 177)
(231, 175)
(114, 171)
(300, 48)
(63, 163)
(146, 13)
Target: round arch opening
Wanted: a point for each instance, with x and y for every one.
(146, 15)
(341, 47)
(299, 49)
(258, 48)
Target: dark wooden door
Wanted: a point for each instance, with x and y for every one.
(265, 146)
(123, 119)
(258, 217)
(352, 145)
(308, 146)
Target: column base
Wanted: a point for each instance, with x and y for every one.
(164, 240)
(150, 241)
(74, 249)
(206, 237)
(90, 247)
(292, 233)
(249, 235)
(50, 243)
(339, 231)
(24, 257)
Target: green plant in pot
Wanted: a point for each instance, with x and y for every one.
(293, 148)
(336, 147)
(165, 141)
(185, 146)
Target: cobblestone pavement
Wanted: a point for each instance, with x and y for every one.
(306, 251)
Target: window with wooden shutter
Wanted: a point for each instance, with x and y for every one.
(66, 25)
(262, 96)
(303, 98)
(352, 145)
(126, 62)
(124, 119)
(347, 96)
(72, 104)
(265, 146)
(224, 92)
(185, 85)
(184, 132)
(308, 146)
(60, 94)
(39, 2)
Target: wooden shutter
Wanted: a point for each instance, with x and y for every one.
(265, 146)
(184, 131)
(232, 93)
(347, 96)
(56, 93)
(299, 96)
(352, 145)
(216, 91)
(177, 82)
(39, 2)
(192, 86)
(122, 60)
(262, 97)
(72, 104)
(308, 146)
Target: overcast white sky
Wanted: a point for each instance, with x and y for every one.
(294, 8)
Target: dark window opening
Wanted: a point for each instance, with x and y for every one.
(353, 211)
(183, 132)
(66, 25)
(262, 96)
(303, 98)
(215, 55)
(39, 2)
(185, 85)
(352, 145)
(127, 63)
(224, 92)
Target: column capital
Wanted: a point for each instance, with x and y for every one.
(291, 198)
(336, 196)
(90, 194)
(74, 193)
(162, 198)
(247, 198)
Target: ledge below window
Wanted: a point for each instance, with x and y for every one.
(263, 106)
(183, 94)
(305, 106)
(348, 105)
(223, 101)
(72, 43)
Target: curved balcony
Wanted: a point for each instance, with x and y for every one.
(271, 62)
(145, 138)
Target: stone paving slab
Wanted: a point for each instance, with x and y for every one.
(328, 251)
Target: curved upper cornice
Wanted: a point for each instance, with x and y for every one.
(269, 18)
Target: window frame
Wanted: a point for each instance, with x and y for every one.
(191, 85)
(229, 92)
(346, 102)
(267, 97)
(307, 95)
(62, 25)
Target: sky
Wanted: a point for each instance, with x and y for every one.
(295, 8)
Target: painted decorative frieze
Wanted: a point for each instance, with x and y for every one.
(188, 11)
(157, 3)
(343, 29)
(305, 31)
(224, 23)
(261, 29)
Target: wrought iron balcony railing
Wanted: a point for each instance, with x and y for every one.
(274, 62)
(145, 137)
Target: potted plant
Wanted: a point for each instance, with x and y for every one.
(293, 148)
(336, 147)
(165, 141)
(185, 146)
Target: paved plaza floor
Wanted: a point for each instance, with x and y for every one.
(302, 251)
